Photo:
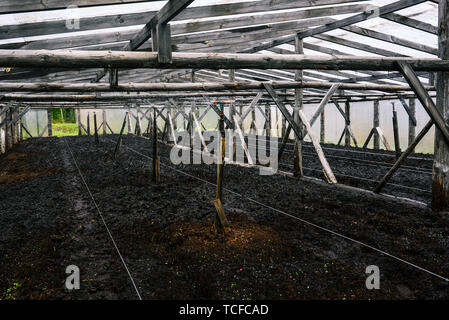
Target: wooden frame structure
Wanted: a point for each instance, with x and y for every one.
(186, 53)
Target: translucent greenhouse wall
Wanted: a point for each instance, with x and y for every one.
(361, 122)
(36, 121)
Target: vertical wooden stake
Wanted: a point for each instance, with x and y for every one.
(156, 169)
(37, 123)
(88, 123)
(411, 126)
(119, 141)
(78, 120)
(440, 176)
(397, 146)
(220, 220)
(96, 128)
(348, 116)
(322, 127)
(297, 152)
(376, 143)
(49, 125)
(104, 121)
(2, 137)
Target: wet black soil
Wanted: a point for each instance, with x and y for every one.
(164, 231)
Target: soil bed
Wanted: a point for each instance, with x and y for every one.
(163, 231)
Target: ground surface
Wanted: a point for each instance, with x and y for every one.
(163, 231)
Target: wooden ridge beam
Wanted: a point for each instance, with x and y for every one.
(182, 60)
(201, 86)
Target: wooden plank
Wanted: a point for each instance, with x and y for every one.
(14, 6)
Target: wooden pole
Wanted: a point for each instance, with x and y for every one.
(220, 220)
(119, 141)
(322, 128)
(96, 128)
(216, 61)
(297, 151)
(156, 170)
(440, 176)
(348, 123)
(104, 121)
(411, 125)
(37, 124)
(397, 146)
(203, 86)
(129, 121)
(2, 136)
(78, 120)
(376, 124)
(49, 125)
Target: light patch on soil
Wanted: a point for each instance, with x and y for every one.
(18, 166)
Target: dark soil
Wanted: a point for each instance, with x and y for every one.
(164, 231)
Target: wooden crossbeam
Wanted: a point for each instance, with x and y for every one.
(181, 60)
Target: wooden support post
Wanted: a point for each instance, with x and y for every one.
(19, 129)
(2, 135)
(440, 176)
(88, 123)
(148, 131)
(49, 123)
(156, 168)
(348, 123)
(297, 151)
(411, 125)
(113, 78)
(37, 123)
(105, 123)
(376, 124)
(220, 220)
(397, 147)
(322, 127)
(164, 43)
(78, 120)
(129, 121)
(119, 141)
(138, 122)
(11, 128)
(96, 128)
